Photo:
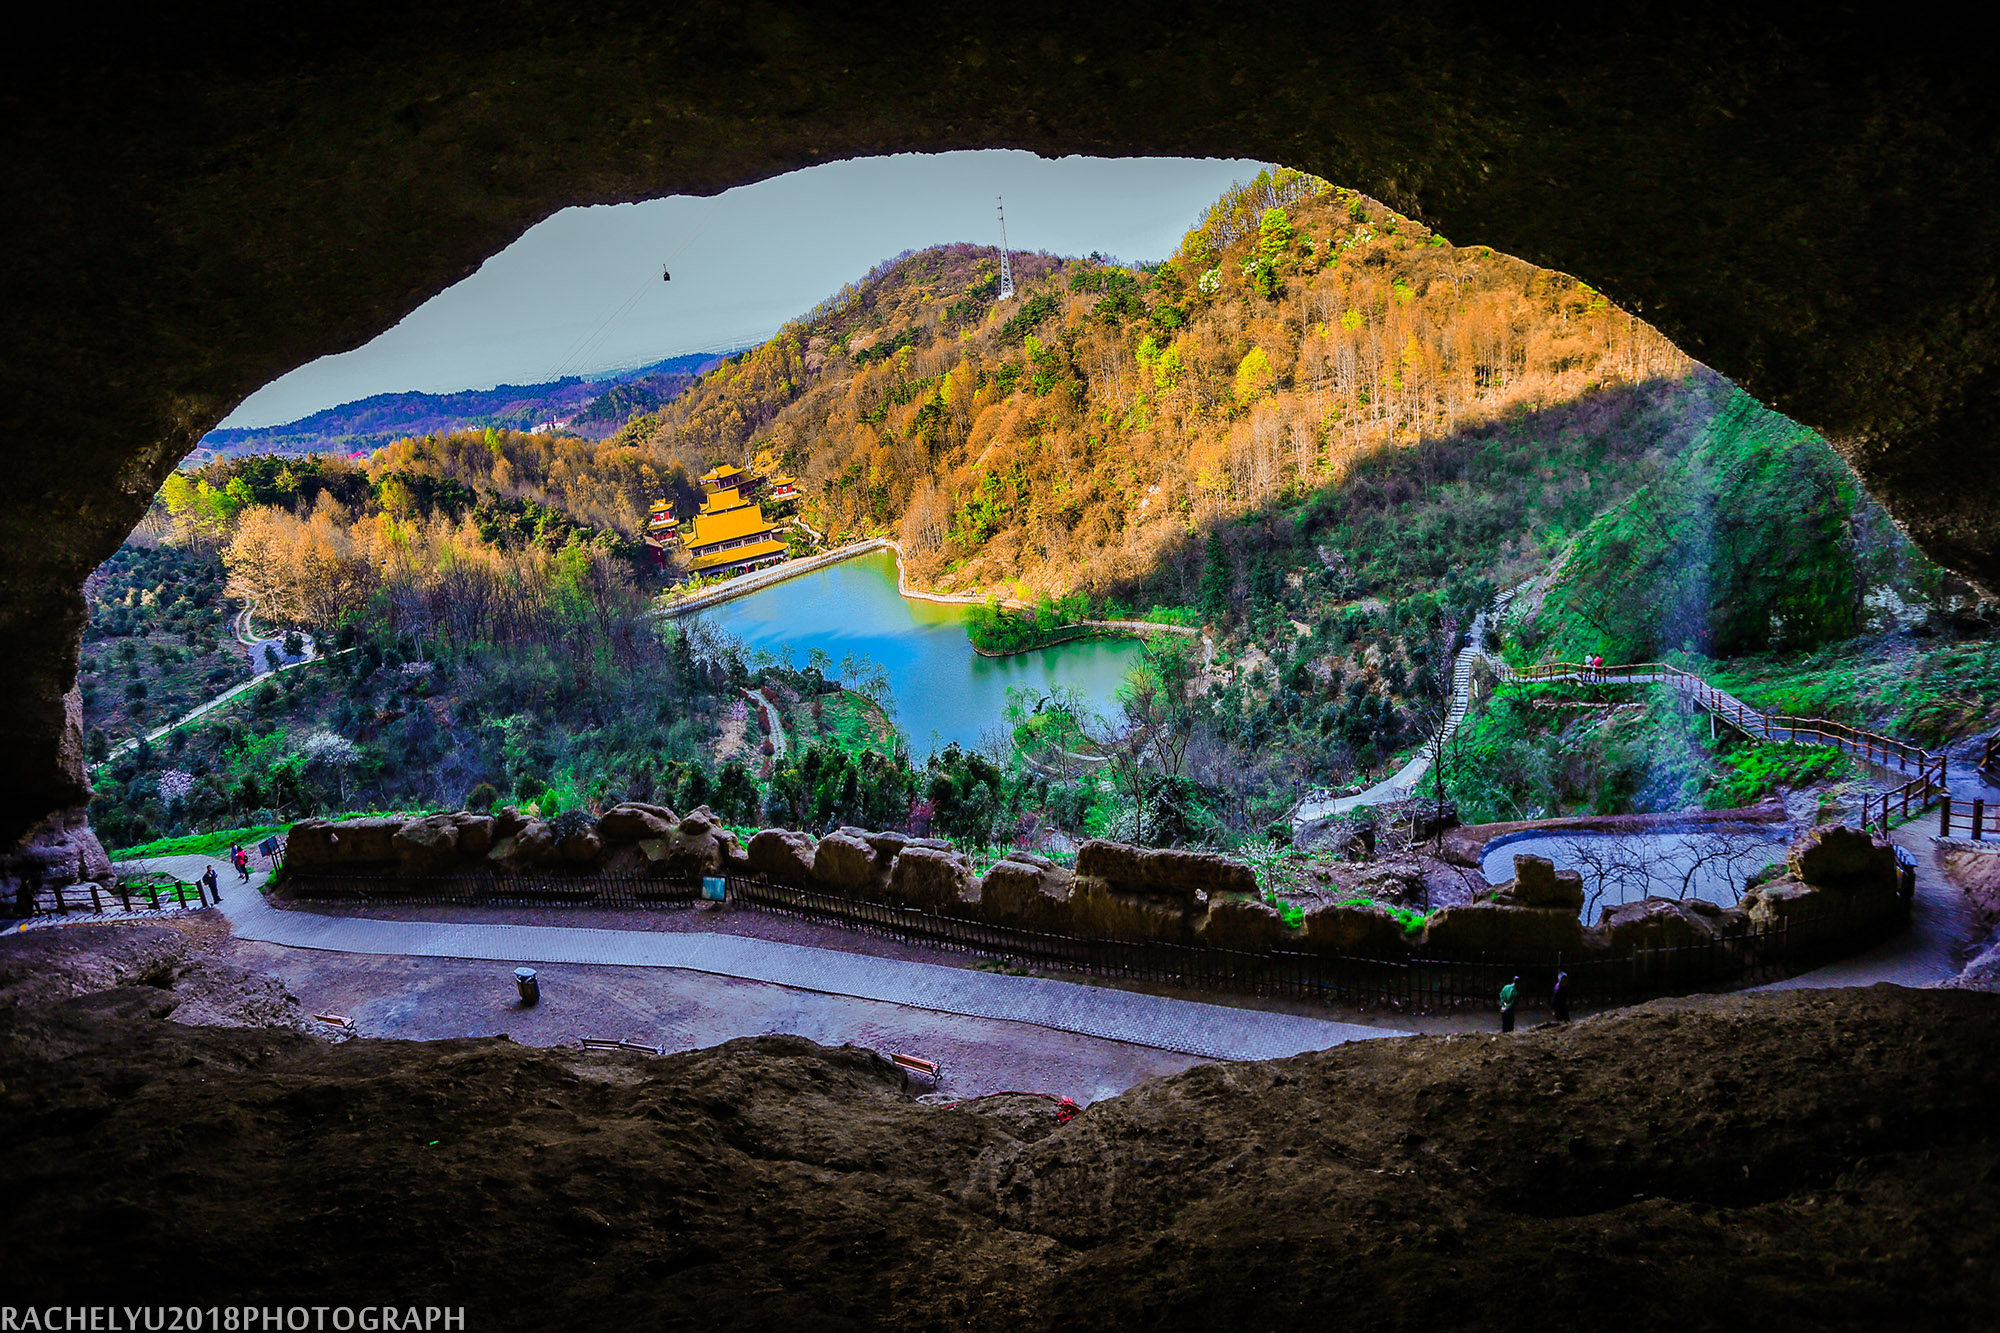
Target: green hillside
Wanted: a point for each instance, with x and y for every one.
(1318, 432)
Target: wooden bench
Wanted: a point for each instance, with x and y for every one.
(916, 1064)
(341, 1021)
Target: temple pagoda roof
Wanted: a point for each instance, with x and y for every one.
(727, 525)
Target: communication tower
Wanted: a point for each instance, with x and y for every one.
(1006, 263)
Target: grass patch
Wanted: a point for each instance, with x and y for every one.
(855, 724)
(150, 883)
(1926, 693)
(1409, 918)
(1751, 770)
(208, 844)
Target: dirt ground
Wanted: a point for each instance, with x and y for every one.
(1795, 1160)
(425, 999)
(217, 979)
(1976, 871)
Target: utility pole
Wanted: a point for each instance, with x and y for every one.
(1006, 261)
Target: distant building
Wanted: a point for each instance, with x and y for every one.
(661, 528)
(730, 534)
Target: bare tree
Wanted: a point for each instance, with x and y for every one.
(1609, 865)
(1721, 849)
(1621, 868)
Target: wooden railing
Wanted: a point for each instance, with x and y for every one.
(89, 898)
(1926, 785)
(1989, 759)
(1971, 820)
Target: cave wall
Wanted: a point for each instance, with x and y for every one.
(204, 199)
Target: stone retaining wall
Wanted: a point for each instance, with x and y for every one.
(1116, 891)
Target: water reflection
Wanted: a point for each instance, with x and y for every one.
(944, 691)
(1707, 861)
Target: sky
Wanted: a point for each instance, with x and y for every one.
(581, 292)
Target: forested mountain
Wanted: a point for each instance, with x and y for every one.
(1076, 436)
(426, 532)
(1318, 431)
(593, 406)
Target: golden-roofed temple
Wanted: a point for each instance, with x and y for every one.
(724, 476)
(730, 534)
(772, 485)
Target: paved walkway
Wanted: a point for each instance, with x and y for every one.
(260, 669)
(1943, 927)
(1213, 1031)
(1403, 781)
(774, 727)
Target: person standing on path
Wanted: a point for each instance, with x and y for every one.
(1509, 993)
(214, 886)
(1559, 998)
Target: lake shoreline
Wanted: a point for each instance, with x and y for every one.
(759, 580)
(945, 690)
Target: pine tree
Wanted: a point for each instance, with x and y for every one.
(1218, 581)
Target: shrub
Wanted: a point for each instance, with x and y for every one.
(1409, 918)
(570, 822)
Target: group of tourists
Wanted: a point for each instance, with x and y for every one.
(239, 857)
(1510, 995)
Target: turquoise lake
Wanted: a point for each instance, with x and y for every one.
(944, 691)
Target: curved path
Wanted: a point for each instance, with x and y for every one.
(1212, 1031)
(202, 710)
(1403, 781)
(1962, 780)
(258, 651)
(774, 729)
(261, 650)
(1943, 928)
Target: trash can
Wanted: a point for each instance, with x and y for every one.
(713, 888)
(525, 982)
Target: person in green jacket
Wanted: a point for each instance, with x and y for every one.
(1508, 994)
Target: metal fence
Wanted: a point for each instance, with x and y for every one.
(497, 889)
(1403, 981)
